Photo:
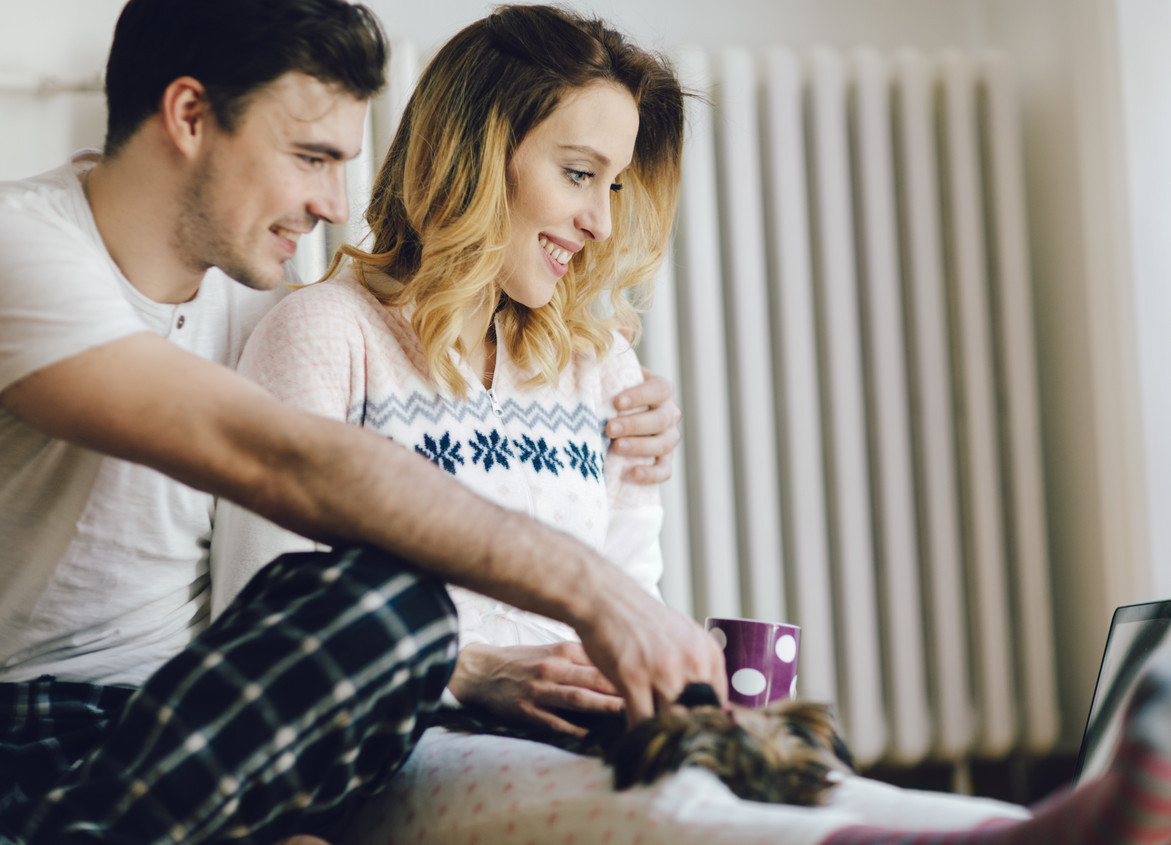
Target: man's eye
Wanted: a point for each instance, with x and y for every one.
(312, 161)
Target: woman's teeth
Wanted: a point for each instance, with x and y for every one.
(561, 256)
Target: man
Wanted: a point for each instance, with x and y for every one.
(230, 122)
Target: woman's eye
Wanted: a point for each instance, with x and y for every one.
(578, 177)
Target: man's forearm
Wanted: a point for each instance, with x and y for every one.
(359, 486)
(142, 399)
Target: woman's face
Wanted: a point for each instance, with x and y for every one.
(562, 178)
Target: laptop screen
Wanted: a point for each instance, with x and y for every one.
(1138, 634)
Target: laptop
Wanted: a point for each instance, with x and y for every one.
(1139, 634)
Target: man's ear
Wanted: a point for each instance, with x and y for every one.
(185, 112)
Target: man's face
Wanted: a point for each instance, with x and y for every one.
(253, 192)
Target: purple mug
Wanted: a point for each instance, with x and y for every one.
(761, 658)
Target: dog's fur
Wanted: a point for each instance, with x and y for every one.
(783, 753)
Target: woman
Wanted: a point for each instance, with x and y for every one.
(471, 330)
(529, 189)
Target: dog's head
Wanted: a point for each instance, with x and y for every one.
(783, 753)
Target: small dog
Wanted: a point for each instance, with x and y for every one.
(783, 753)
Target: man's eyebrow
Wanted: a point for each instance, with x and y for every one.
(603, 160)
(325, 150)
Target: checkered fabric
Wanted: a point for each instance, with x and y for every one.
(307, 693)
(45, 727)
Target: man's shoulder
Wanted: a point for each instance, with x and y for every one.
(46, 209)
(53, 193)
(60, 292)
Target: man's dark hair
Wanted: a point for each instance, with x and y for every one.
(234, 48)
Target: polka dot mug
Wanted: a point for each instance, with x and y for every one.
(761, 658)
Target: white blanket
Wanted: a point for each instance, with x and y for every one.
(479, 790)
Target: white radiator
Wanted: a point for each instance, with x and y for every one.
(848, 318)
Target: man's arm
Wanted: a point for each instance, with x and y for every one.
(144, 400)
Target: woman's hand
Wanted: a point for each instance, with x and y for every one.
(650, 433)
(529, 683)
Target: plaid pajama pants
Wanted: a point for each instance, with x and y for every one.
(306, 694)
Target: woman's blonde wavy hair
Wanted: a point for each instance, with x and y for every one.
(439, 212)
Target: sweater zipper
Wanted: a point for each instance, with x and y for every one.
(498, 410)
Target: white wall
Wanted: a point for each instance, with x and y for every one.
(1144, 32)
(1097, 126)
(66, 39)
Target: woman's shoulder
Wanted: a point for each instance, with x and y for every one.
(618, 351)
(619, 363)
(603, 374)
(341, 301)
(344, 289)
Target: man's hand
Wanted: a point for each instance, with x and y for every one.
(648, 650)
(650, 433)
(530, 683)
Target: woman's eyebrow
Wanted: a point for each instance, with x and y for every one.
(601, 159)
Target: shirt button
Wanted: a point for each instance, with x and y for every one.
(179, 323)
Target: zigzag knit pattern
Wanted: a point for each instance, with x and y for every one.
(417, 408)
(433, 415)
